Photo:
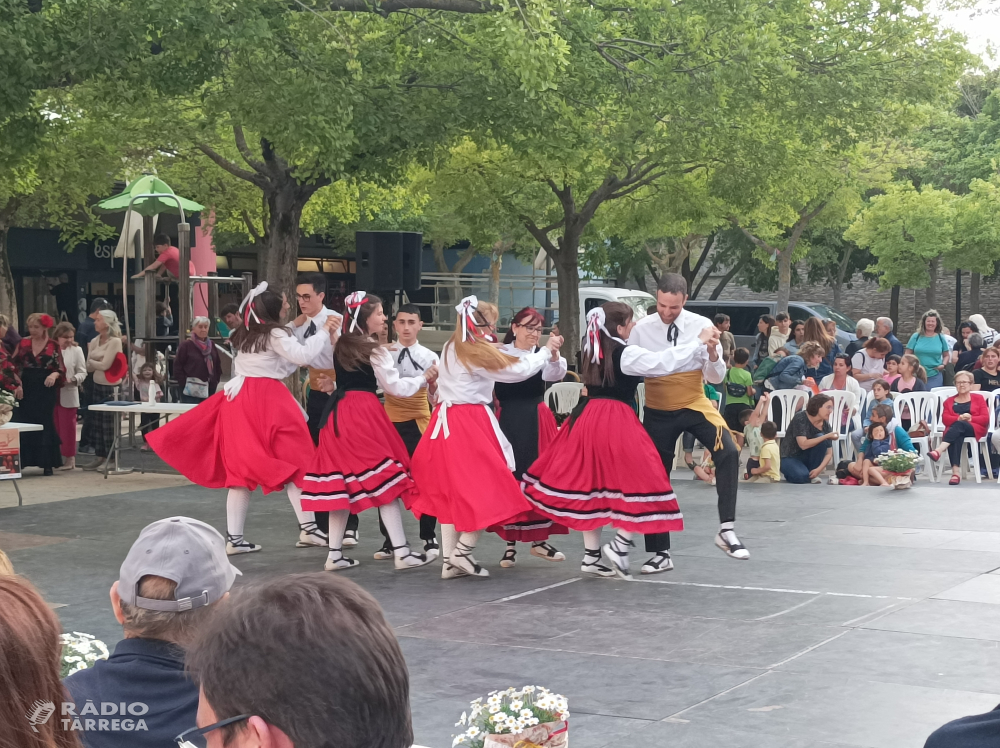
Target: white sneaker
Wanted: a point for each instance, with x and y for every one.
(727, 541)
(311, 536)
(351, 538)
(660, 562)
(240, 546)
(340, 564)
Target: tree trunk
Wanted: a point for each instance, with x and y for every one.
(784, 278)
(724, 282)
(496, 262)
(8, 298)
(974, 294)
(931, 294)
(568, 279)
(285, 203)
(894, 307)
(838, 284)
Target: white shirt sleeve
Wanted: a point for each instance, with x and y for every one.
(554, 371)
(300, 354)
(714, 371)
(525, 367)
(640, 362)
(389, 379)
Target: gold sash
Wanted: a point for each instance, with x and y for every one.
(314, 377)
(416, 408)
(684, 391)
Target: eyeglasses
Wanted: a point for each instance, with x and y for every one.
(531, 330)
(195, 737)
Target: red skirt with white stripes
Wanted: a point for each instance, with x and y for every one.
(463, 477)
(602, 469)
(361, 461)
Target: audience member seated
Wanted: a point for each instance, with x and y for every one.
(876, 445)
(880, 396)
(751, 421)
(966, 359)
(301, 661)
(805, 448)
(868, 363)
(964, 415)
(790, 372)
(841, 378)
(977, 731)
(30, 658)
(766, 469)
(987, 378)
(159, 618)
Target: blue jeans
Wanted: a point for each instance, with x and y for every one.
(796, 469)
(934, 379)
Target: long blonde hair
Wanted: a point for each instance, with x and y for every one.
(476, 349)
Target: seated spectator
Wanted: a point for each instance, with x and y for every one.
(30, 658)
(977, 731)
(805, 448)
(882, 415)
(796, 336)
(868, 363)
(876, 445)
(790, 372)
(762, 372)
(738, 385)
(727, 339)
(987, 377)
(966, 359)
(863, 330)
(301, 661)
(912, 376)
(880, 396)
(159, 617)
(841, 378)
(964, 415)
(752, 420)
(767, 469)
(891, 368)
(779, 333)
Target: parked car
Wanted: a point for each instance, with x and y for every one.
(592, 296)
(744, 315)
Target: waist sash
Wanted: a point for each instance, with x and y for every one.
(684, 391)
(416, 408)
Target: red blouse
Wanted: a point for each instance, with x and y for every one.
(977, 409)
(50, 359)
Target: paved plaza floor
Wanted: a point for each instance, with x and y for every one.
(865, 617)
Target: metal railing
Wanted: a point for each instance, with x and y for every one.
(516, 292)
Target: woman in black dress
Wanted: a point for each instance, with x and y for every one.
(39, 364)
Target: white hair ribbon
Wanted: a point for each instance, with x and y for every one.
(465, 309)
(595, 325)
(247, 303)
(353, 304)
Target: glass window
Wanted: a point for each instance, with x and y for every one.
(743, 319)
(844, 322)
(639, 305)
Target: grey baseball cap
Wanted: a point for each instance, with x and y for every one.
(184, 550)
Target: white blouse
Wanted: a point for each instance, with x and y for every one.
(554, 371)
(282, 358)
(76, 372)
(474, 386)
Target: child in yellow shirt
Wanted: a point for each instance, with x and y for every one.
(768, 470)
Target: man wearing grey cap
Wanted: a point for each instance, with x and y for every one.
(169, 582)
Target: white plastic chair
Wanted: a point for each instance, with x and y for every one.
(970, 458)
(640, 398)
(562, 397)
(922, 406)
(791, 402)
(843, 401)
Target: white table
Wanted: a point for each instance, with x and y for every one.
(20, 427)
(167, 409)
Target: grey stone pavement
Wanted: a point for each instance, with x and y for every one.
(865, 617)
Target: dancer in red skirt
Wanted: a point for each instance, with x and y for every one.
(361, 461)
(603, 469)
(519, 419)
(252, 433)
(464, 464)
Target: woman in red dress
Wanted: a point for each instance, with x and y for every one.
(361, 461)
(464, 464)
(253, 433)
(603, 469)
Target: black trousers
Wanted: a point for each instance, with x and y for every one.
(409, 432)
(955, 435)
(663, 427)
(315, 404)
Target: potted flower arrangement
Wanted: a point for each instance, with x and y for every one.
(533, 717)
(899, 465)
(80, 651)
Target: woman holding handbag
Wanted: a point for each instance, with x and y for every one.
(197, 366)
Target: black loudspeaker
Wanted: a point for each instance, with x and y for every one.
(388, 260)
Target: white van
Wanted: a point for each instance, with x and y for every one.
(592, 296)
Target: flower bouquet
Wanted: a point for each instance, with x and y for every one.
(898, 464)
(7, 404)
(79, 652)
(533, 717)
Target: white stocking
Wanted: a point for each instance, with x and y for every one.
(338, 524)
(392, 518)
(469, 539)
(448, 539)
(295, 496)
(592, 540)
(237, 504)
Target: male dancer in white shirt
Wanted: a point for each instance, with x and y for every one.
(310, 290)
(676, 403)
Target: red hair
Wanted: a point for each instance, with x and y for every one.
(524, 317)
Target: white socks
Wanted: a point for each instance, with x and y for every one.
(237, 504)
(295, 496)
(620, 543)
(338, 524)
(392, 518)
(449, 537)
(592, 540)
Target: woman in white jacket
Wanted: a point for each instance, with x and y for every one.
(69, 394)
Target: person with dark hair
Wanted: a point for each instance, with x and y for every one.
(30, 658)
(410, 415)
(964, 416)
(464, 464)
(965, 358)
(842, 377)
(815, 332)
(252, 433)
(728, 340)
(303, 661)
(169, 585)
(230, 319)
(796, 336)
(739, 389)
(805, 448)
(767, 467)
(310, 292)
(764, 327)
(39, 364)
(676, 403)
(868, 361)
(779, 333)
(526, 421)
(164, 318)
(602, 468)
(168, 259)
(928, 344)
(361, 461)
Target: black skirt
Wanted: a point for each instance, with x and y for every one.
(39, 448)
(519, 423)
